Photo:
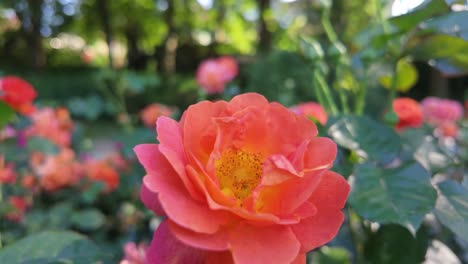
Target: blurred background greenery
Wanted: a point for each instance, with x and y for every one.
(76, 52)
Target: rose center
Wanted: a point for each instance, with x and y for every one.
(238, 172)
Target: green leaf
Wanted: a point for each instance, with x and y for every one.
(406, 76)
(433, 48)
(41, 144)
(426, 11)
(367, 137)
(454, 23)
(6, 114)
(88, 220)
(311, 49)
(401, 195)
(331, 255)
(51, 247)
(59, 215)
(452, 207)
(394, 244)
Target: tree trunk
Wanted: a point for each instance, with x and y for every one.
(264, 35)
(34, 37)
(104, 14)
(136, 60)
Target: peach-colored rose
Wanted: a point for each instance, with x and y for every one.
(311, 110)
(52, 124)
(150, 114)
(448, 129)
(102, 171)
(56, 171)
(240, 181)
(409, 113)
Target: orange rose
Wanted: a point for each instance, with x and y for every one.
(240, 181)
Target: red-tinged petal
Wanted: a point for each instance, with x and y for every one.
(170, 134)
(178, 204)
(264, 245)
(179, 167)
(320, 154)
(301, 259)
(332, 191)
(329, 197)
(151, 200)
(277, 169)
(318, 230)
(199, 131)
(216, 201)
(145, 154)
(284, 198)
(248, 99)
(211, 242)
(165, 248)
(223, 257)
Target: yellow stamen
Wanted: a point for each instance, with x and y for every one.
(238, 172)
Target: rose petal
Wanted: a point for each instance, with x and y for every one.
(248, 99)
(320, 154)
(177, 203)
(282, 199)
(151, 200)
(145, 154)
(211, 242)
(272, 244)
(277, 169)
(199, 131)
(301, 259)
(329, 197)
(165, 248)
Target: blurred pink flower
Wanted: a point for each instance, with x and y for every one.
(52, 124)
(448, 129)
(150, 114)
(56, 171)
(213, 74)
(102, 171)
(438, 111)
(7, 132)
(229, 67)
(134, 254)
(19, 205)
(7, 172)
(311, 110)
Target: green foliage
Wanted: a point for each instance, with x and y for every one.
(402, 195)
(331, 255)
(52, 247)
(282, 77)
(406, 77)
(380, 142)
(6, 114)
(394, 244)
(88, 220)
(452, 207)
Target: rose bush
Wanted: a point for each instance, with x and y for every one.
(236, 185)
